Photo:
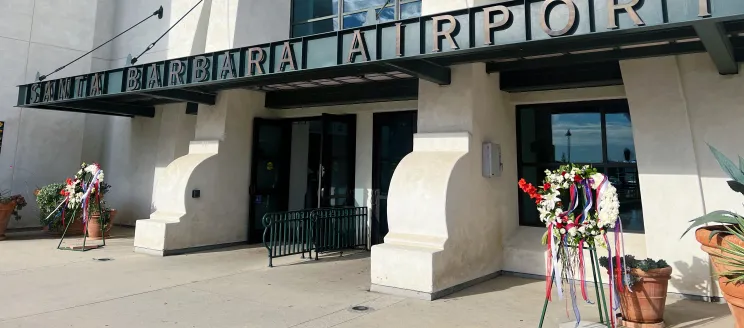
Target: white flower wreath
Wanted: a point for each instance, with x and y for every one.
(592, 207)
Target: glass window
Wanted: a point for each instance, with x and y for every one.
(357, 5)
(315, 27)
(595, 133)
(319, 16)
(303, 10)
(410, 9)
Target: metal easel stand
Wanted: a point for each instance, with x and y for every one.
(84, 248)
(598, 288)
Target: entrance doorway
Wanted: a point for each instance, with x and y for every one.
(301, 164)
(392, 140)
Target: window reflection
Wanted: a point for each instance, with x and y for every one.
(581, 133)
(315, 27)
(620, 146)
(356, 5)
(561, 137)
(410, 10)
(319, 16)
(303, 10)
(625, 180)
(577, 138)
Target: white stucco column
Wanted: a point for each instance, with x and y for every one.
(446, 220)
(218, 165)
(668, 169)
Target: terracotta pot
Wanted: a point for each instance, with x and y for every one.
(646, 300)
(112, 216)
(5, 211)
(94, 227)
(76, 228)
(733, 293)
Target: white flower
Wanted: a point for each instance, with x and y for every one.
(572, 231)
(582, 229)
(544, 214)
(563, 231)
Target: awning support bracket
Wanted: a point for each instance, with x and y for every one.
(424, 70)
(716, 41)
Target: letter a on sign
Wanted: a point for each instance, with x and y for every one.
(358, 47)
(287, 58)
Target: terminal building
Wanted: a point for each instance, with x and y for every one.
(424, 112)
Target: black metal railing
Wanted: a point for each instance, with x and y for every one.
(288, 233)
(320, 230)
(339, 228)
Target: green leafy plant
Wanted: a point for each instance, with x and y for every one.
(47, 199)
(631, 263)
(733, 222)
(20, 203)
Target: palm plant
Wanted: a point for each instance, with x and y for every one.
(732, 254)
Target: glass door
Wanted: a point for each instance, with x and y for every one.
(393, 140)
(269, 189)
(337, 161)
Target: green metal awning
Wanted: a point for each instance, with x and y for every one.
(391, 57)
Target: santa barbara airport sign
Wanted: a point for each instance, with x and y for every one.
(472, 29)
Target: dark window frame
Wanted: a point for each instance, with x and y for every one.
(395, 4)
(602, 107)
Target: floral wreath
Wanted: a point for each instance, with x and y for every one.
(580, 182)
(593, 211)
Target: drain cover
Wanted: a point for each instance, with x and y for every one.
(360, 308)
(104, 259)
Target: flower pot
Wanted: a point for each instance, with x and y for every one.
(643, 305)
(94, 226)
(5, 211)
(76, 228)
(733, 293)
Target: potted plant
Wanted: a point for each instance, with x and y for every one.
(85, 197)
(643, 302)
(725, 243)
(48, 200)
(9, 205)
(100, 218)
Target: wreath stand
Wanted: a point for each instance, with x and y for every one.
(83, 247)
(598, 288)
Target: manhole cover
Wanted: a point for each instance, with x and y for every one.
(360, 308)
(105, 259)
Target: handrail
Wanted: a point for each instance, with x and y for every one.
(323, 230)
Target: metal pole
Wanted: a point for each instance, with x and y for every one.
(596, 287)
(601, 287)
(545, 304)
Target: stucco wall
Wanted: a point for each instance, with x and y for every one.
(679, 105)
(680, 179)
(41, 147)
(446, 221)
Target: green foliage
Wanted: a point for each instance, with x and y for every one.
(20, 203)
(733, 256)
(631, 263)
(47, 200)
(734, 172)
(734, 223)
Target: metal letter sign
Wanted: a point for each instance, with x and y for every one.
(545, 13)
(477, 31)
(358, 47)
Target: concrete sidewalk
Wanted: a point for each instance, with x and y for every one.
(43, 287)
